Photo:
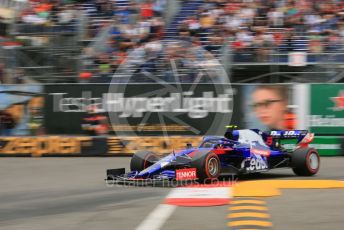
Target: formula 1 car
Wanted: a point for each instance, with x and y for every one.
(237, 152)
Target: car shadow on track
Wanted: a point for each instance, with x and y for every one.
(257, 176)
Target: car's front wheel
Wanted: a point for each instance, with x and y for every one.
(208, 166)
(142, 160)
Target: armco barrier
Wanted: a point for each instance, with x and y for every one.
(43, 146)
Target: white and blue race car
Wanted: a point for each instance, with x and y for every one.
(237, 152)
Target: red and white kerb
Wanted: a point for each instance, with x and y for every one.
(203, 195)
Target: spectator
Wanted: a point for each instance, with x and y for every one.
(315, 42)
(66, 15)
(193, 25)
(263, 42)
(333, 41)
(276, 18)
(158, 7)
(147, 9)
(123, 15)
(207, 20)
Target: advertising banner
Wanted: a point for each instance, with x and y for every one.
(326, 109)
(326, 145)
(288, 107)
(159, 145)
(49, 145)
(268, 107)
(21, 109)
(160, 118)
(143, 109)
(186, 109)
(92, 146)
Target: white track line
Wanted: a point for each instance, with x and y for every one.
(200, 193)
(157, 217)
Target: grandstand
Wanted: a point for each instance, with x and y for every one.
(256, 41)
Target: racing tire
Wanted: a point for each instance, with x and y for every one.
(305, 161)
(142, 159)
(208, 167)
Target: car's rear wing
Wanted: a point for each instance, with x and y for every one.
(302, 136)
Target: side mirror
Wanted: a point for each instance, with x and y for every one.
(188, 145)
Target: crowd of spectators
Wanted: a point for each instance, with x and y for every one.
(258, 27)
(48, 13)
(47, 16)
(135, 25)
(263, 26)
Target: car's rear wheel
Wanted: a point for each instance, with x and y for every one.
(208, 166)
(142, 160)
(305, 161)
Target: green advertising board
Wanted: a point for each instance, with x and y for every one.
(326, 146)
(326, 115)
